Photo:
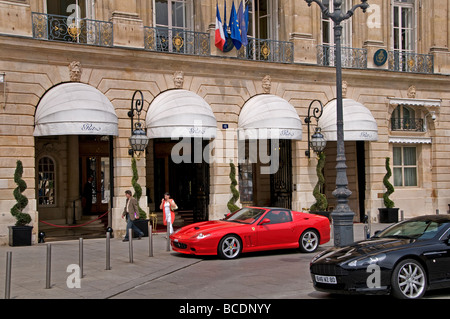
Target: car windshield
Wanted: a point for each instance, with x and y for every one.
(415, 229)
(246, 215)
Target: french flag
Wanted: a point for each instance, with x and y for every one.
(219, 35)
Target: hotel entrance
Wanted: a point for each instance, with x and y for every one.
(95, 179)
(186, 181)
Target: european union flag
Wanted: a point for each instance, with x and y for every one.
(243, 23)
(234, 28)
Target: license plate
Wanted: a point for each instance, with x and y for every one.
(326, 279)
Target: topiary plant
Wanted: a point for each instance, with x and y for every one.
(231, 203)
(137, 188)
(22, 201)
(388, 203)
(321, 203)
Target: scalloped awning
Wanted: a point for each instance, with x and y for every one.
(75, 109)
(268, 116)
(359, 123)
(180, 113)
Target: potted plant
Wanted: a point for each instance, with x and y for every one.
(142, 222)
(388, 214)
(321, 204)
(235, 193)
(21, 233)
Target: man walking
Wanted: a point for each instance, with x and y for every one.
(131, 212)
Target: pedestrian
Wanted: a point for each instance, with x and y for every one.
(131, 212)
(168, 206)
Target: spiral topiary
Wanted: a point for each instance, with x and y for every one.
(137, 188)
(388, 203)
(321, 203)
(231, 203)
(22, 201)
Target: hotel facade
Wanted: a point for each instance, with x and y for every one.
(69, 69)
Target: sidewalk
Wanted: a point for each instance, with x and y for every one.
(28, 275)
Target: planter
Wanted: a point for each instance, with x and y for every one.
(142, 224)
(388, 215)
(20, 235)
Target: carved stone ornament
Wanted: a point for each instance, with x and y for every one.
(412, 92)
(266, 83)
(178, 79)
(75, 71)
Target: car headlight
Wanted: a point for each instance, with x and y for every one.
(201, 236)
(367, 261)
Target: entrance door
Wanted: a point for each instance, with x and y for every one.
(95, 177)
(281, 181)
(186, 181)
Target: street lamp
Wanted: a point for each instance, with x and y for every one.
(342, 215)
(317, 142)
(138, 138)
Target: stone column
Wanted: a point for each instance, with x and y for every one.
(302, 31)
(15, 18)
(377, 16)
(439, 19)
(128, 26)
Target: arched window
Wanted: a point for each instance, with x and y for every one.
(46, 181)
(404, 119)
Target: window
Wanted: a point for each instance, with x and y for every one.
(405, 166)
(327, 26)
(404, 119)
(79, 9)
(46, 181)
(262, 21)
(173, 14)
(278, 216)
(404, 26)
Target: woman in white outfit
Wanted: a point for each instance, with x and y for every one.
(168, 206)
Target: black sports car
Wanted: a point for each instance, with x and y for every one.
(406, 259)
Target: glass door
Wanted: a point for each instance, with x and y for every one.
(96, 184)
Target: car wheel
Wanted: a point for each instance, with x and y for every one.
(408, 280)
(230, 247)
(309, 241)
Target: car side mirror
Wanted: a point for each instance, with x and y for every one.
(375, 235)
(265, 221)
(448, 240)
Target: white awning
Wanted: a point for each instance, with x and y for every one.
(359, 124)
(180, 113)
(268, 116)
(75, 109)
(410, 140)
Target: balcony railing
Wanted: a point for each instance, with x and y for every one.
(176, 41)
(354, 58)
(410, 62)
(267, 50)
(407, 124)
(68, 29)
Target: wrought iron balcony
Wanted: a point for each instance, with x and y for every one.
(410, 62)
(69, 29)
(354, 58)
(407, 124)
(267, 50)
(176, 41)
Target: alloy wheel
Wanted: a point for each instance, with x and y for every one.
(409, 280)
(309, 241)
(230, 247)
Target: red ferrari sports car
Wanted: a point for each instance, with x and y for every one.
(253, 229)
